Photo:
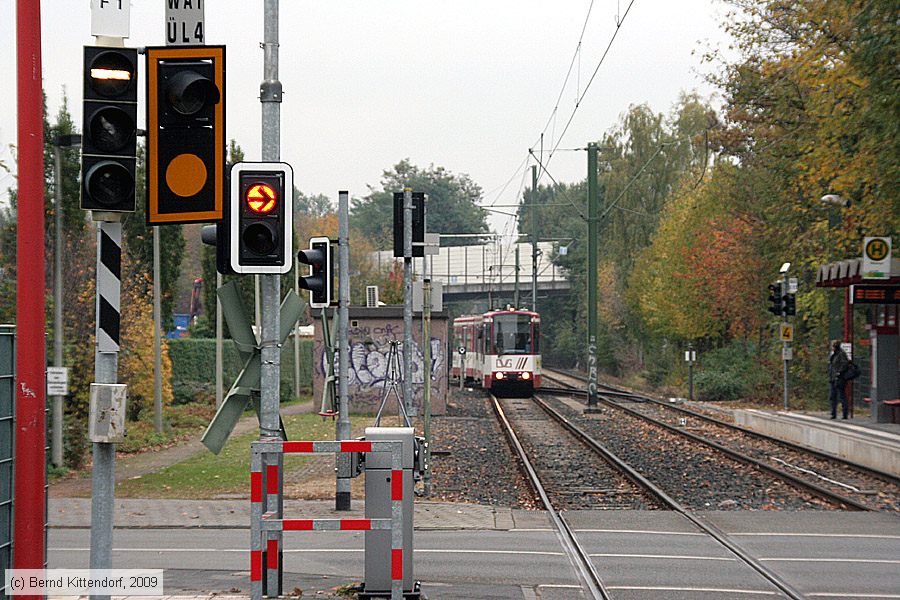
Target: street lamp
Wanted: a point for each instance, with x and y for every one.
(59, 142)
(835, 200)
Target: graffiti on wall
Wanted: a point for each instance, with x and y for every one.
(370, 361)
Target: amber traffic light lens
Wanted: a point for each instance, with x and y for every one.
(111, 74)
(261, 198)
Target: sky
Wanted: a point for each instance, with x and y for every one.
(469, 85)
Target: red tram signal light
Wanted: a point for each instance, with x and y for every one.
(261, 198)
(261, 225)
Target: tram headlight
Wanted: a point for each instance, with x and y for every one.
(498, 375)
(526, 375)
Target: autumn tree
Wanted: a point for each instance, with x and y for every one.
(452, 203)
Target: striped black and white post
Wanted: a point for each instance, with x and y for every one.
(106, 365)
(109, 281)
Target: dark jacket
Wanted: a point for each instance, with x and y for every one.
(837, 364)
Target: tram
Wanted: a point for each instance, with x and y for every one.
(499, 351)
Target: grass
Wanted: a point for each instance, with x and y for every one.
(181, 422)
(205, 475)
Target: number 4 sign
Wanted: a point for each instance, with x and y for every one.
(184, 22)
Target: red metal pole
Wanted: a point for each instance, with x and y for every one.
(848, 337)
(30, 465)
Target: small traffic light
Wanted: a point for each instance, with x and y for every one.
(789, 304)
(319, 282)
(775, 299)
(185, 134)
(110, 128)
(261, 221)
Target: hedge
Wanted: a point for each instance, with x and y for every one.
(194, 367)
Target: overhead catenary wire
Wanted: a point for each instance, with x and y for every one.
(619, 22)
(580, 96)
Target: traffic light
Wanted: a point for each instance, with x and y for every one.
(789, 302)
(109, 129)
(418, 224)
(185, 134)
(261, 221)
(319, 282)
(775, 299)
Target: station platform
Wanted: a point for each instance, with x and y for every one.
(876, 445)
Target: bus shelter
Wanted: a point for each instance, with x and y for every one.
(877, 349)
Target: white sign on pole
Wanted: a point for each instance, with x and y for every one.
(57, 381)
(432, 244)
(876, 258)
(184, 22)
(111, 18)
(793, 285)
(437, 296)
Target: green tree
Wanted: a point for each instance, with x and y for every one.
(451, 206)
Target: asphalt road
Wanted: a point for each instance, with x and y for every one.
(640, 555)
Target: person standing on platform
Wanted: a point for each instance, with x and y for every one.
(837, 365)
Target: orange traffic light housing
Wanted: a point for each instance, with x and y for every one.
(185, 134)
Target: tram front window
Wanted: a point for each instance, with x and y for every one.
(512, 334)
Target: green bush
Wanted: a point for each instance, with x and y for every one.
(718, 385)
(732, 372)
(194, 367)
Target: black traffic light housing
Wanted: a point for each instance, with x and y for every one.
(109, 129)
(418, 224)
(789, 304)
(261, 224)
(775, 299)
(320, 280)
(185, 134)
(219, 235)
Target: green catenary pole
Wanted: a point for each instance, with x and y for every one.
(534, 237)
(593, 212)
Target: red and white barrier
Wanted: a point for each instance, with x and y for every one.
(266, 509)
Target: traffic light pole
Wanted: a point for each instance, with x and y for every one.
(785, 346)
(593, 218)
(269, 411)
(407, 300)
(106, 367)
(342, 489)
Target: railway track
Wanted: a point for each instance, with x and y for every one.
(837, 480)
(532, 456)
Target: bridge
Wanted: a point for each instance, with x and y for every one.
(485, 274)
